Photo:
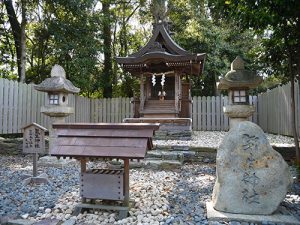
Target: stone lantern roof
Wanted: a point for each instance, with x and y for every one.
(239, 77)
(57, 82)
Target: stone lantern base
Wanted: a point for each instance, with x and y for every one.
(238, 113)
(57, 114)
(57, 111)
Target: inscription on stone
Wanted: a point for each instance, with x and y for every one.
(250, 179)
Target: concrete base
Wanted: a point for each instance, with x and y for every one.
(171, 128)
(41, 179)
(214, 215)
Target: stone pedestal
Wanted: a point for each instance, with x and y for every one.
(57, 115)
(51, 130)
(58, 112)
(238, 113)
(279, 217)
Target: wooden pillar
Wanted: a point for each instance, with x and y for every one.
(148, 85)
(176, 92)
(126, 182)
(190, 100)
(124, 212)
(180, 93)
(83, 170)
(142, 92)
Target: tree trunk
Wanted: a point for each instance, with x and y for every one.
(23, 43)
(293, 111)
(107, 70)
(16, 30)
(295, 133)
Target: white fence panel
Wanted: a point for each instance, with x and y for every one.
(20, 105)
(274, 109)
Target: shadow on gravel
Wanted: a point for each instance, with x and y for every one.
(192, 189)
(17, 199)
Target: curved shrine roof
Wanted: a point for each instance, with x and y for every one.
(162, 54)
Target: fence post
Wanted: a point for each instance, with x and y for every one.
(194, 113)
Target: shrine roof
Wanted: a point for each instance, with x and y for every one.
(161, 51)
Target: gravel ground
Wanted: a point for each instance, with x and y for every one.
(214, 138)
(162, 197)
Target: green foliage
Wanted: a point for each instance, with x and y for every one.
(7, 49)
(74, 32)
(128, 86)
(221, 41)
(84, 39)
(128, 37)
(278, 24)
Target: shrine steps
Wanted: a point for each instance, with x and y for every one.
(173, 157)
(160, 102)
(162, 114)
(159, 108)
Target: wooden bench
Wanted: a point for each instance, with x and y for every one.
(109, 141)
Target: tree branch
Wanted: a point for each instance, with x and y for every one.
(132, 13)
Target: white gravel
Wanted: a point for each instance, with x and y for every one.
(161, 197)
(213, 139)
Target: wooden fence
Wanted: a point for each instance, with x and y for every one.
(274, 110)
(207, 112)
(112, 110)
(20, 105)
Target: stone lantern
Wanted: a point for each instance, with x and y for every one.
(58, 88)
(238, 82)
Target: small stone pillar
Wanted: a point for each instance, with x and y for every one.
(58, 88)
(238, 81)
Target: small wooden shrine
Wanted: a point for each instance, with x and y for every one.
(163, 68)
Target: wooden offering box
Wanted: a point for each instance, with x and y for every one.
(125, 141)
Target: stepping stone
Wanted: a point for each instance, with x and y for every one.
(20, 222)
(47, 222)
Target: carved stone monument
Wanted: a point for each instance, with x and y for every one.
(238, 81)
(252, 178)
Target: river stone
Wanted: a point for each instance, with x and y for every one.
(252, 178)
